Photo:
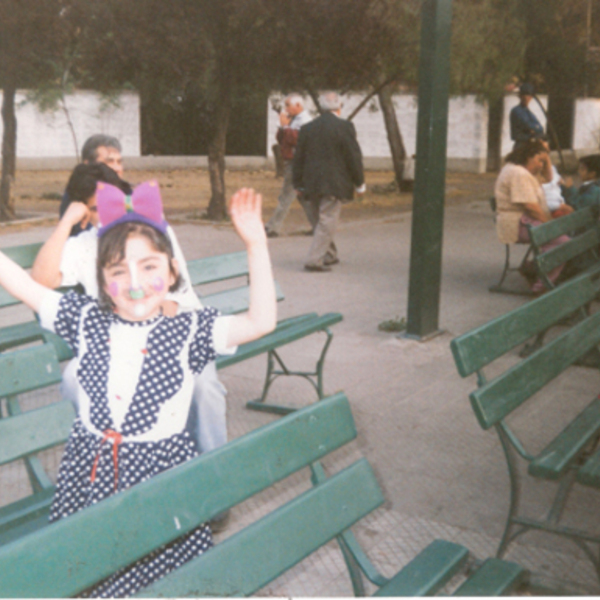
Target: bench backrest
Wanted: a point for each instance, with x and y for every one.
(494, 400)
(28, 369)
(213, 269)
(218, 268)
(581, 225)
(33, 431)
(585, 219)
(61, 560)
(24, 256)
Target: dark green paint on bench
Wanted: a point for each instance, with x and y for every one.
(564, 458)
(494, 578)
(442, 558)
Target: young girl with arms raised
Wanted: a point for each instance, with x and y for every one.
(136, 365)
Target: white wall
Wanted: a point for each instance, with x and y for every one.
(467, 130)
(586, 135)
(47, 134)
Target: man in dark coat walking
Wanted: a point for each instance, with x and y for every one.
(327, 169)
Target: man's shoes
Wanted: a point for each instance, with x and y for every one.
(331, 261)
(271, 234)
(220, 522)
(317, 268)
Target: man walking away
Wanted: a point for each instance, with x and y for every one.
(327, 168)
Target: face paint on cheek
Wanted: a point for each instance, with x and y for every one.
(113, 289)
(158, 284)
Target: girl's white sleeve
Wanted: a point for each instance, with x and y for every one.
(185, 296)
(49, 309)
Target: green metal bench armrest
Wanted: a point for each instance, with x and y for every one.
(494, 578)
(428, 572)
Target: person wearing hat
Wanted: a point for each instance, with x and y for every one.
(524, 125)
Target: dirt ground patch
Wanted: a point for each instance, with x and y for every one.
(186, 193)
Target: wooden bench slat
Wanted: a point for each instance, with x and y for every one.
(495, 400)
(28, 369)
(544, 233)
(218, 268)
(495, 577)
(279, 337)
(35, 430)
(429, 571)
(552, 462)
(34, 522)
(575, 247)
(234, 301)
(252, 558)
(125, 526)
(479, 347)
(24, 255)
(22, 510)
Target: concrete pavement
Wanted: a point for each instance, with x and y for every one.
(442, 474)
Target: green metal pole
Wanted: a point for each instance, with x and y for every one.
(430, 173)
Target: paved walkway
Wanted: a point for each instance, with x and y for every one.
(443, 476)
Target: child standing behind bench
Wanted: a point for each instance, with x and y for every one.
(588, 193)
(136, 365)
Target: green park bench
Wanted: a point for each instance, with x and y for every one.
(212, 269)
(568, 458)
(25, 434)
(205, 271)
(58, 560)
(582, 249)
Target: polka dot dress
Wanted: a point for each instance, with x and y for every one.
(99, 459)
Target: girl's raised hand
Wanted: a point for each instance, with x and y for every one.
(245, 209)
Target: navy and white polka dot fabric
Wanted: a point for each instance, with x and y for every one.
(87, 330)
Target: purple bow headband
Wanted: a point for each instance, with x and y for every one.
(143, 206)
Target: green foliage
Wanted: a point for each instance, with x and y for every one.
(488, 46)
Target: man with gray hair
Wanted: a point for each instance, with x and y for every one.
(98, 148)
(327, 169)
(290, 119)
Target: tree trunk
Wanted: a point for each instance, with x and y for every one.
(217, 207)
(9, 152)
(494, 149)
(393, 133)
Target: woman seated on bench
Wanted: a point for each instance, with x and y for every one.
(520, 199)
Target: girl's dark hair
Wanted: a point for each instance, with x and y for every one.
(111, 250)
(592, 163)
(82, 183)
(525, 150)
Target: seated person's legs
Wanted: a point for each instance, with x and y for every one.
(207, 420)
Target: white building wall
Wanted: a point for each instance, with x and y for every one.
(467, 130)
(586, 135)
(47, 134)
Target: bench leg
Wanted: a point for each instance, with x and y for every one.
(314, 377)
(515, 493)
(356, 560)
(518, 525)
(497, 288)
